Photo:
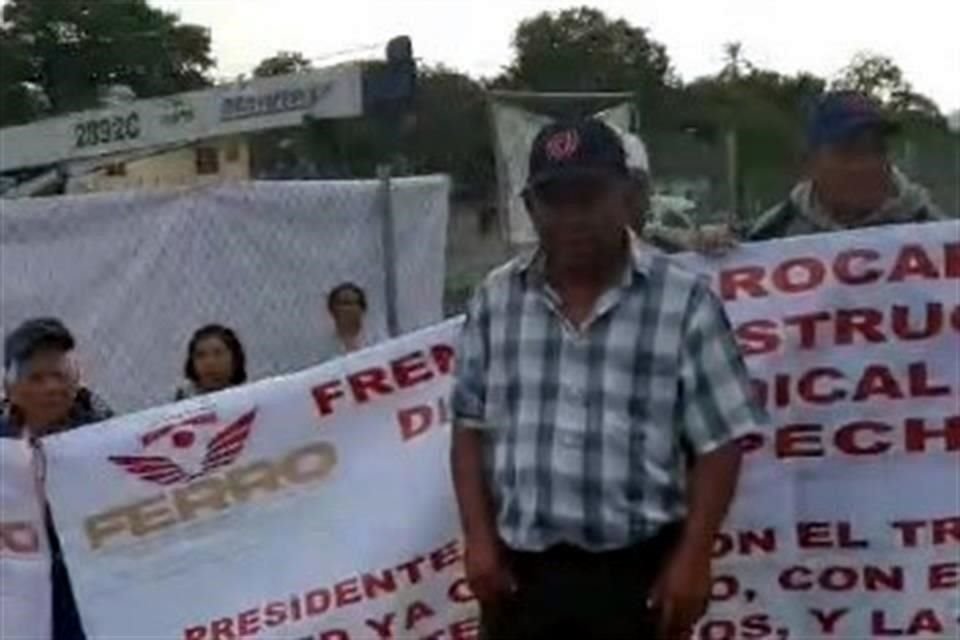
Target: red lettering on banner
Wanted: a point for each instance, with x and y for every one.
(334, 634)
(222, 629)
(274, 614)
(920, 385)
(757, 337)
(799, 274)
(917, 434)
(843, 267)
(913, 261)
(828, 619)
(376, 585)
(347, 592)
(814, 535)
(446, 556)
(383, 628)
(807, 388)
(195, 633)
(946, 531)
(369, 383)
(417, 612)
(248, 623)
(412, 569)
(745, 543)
(746, 279)
(324, 395)
(417, 421)
(757, 626)
(411, 370)
(459, 592)
(842, 579)
(468, 629)
(865, 322)
(848, 438)
(317, 602)
(900, 321)
(806, 324)
(406, 372)
(940, 531)
(444, 356)
(923, 621)
(854, 267)
(877, 380)
(828, 535)
(951, 259)
(724, 588)
(944, 577)
(799, 441)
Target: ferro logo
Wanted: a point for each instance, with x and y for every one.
(212, 485)
(222, 450)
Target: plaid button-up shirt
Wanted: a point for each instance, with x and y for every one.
(587, 429)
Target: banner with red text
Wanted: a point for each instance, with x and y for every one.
(847, 522)
(319, 505)
(316, 505)
(24, 554)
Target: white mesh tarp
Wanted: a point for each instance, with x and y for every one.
(134, 274)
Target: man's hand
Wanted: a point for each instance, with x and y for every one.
(488, 575)
(714, 240)
(682, 592)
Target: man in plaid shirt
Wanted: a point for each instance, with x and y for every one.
(599, 392)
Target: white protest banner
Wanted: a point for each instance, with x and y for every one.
(24, 554)
(847, 523)
(316, 505)
(319, 505)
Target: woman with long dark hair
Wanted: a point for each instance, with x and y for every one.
(215, 361)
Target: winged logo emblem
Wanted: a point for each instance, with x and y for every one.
(222, 449)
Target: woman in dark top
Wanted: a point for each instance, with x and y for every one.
(215, 361)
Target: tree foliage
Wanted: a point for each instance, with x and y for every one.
(882, 79)
(58, 56)
(282, 63)
(583, 50)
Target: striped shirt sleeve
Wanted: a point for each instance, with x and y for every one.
(716, 399)
(473, 353)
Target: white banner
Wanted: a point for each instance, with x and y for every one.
(24, 554)
(134, 274)
(847, 523)
(313, 506)
(319, 505)
(262, 103)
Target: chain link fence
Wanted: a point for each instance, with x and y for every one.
(134, 273)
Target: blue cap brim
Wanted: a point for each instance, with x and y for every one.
(852, 129)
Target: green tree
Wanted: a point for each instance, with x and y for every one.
(282, 63)
(584, 50)
(452, 133)
(71, 50)
(882, 79)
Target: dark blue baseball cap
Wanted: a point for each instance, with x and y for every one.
(576, 150)
(34, 335)
(840, 116)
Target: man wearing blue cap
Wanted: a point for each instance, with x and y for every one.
(852, 182)
(598, 396)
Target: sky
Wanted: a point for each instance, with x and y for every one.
(821, 36)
